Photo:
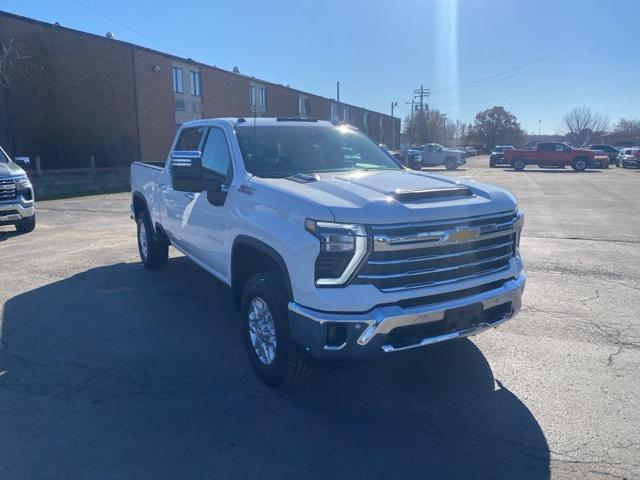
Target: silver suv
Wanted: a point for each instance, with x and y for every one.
(16, 196)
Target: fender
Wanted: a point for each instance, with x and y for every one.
(267, 250)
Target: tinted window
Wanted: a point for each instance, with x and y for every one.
(190, 138)
(3, 157)
(286, 150)
(215, 155)
(546, 147)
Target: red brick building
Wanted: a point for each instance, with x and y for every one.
(91, 95)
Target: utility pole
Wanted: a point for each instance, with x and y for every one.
(338, 99)
(444, 128)
(393, 126)
(421, 93)
(539, 128)
(411, 129)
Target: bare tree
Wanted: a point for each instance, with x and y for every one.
(627, 124)
(581, 125)
(15, 69)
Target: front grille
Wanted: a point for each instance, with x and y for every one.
(7, 189)
(436, 253)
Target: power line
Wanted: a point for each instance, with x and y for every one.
(496, 75)
(363, 98)
(133, 30)
(534, 92)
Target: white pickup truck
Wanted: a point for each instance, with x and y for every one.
(332, 249)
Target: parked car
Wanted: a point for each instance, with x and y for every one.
(497, 156)
(610, 151)
(16, 196)
(327, 259)
(631, 158)
(471, 152)
(411, 158)
(553, 154)
(434, 154)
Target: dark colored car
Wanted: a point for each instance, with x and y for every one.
(611, 152)
(497, 156)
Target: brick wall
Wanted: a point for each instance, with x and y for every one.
(114, 100)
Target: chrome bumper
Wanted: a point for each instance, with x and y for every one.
(22, 211)
(369, 330)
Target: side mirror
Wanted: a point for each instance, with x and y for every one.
(23, 160)
(186, 171)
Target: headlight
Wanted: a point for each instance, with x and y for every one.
(22, 181)
(342, 247)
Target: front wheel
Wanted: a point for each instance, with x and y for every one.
(492, 164)
(265, 327)
(450, 164)
(519, 164)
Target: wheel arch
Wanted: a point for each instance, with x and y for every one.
(250, 256)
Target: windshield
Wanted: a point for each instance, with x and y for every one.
(280, 151)
(3, 157)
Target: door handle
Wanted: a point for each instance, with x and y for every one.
(190, 196)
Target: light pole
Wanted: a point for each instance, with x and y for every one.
(539, 128)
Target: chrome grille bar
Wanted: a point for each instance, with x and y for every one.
(433, 270)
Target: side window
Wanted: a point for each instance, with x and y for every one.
(190, 138)
(215, 155)
(559, 147)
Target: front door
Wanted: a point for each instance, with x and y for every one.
(208, 225)
(176, 211)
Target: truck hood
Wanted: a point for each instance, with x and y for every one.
(375, 197)
(10, 170)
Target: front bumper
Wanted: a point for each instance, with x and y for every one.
(15, 210)
(392, 328)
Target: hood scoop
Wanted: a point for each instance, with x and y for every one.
(420, 195)
(302, 178)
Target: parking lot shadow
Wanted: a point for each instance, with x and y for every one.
(122, 373)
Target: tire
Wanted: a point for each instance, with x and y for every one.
(282, 363)
(450, 164)
(26, 225)
(153, 251)
(579, 164)
(519, 164)
(492, 164)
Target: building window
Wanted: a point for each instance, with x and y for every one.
(178, 86)
(194, 78)
(345, 115)
(334, 112)
(252, 95)
(303, 105)
(179, 105)
(262, 97)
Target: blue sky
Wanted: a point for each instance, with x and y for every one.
(538, 59)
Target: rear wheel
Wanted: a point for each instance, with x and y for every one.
(519, 164)
(579, 164)
(265, 326)
(26, 225)
(153, 251)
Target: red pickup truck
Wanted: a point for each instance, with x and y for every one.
(553, 154)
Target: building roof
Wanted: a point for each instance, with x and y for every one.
(176, 57)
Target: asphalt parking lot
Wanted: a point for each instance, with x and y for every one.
(108, 371)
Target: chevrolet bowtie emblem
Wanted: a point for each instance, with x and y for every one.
(462, 234)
